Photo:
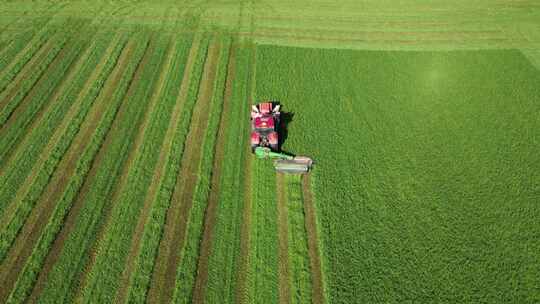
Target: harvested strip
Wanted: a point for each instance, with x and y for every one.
(313, 242)
(213, 199)
(157, 178)
(299, 266)
(284, 288)
(115, 134)
(86, 95)
(175, 230)
(30, 112)
(14, 86)
(77, 238)
(22, 58)
(37, 265)
(129, 192)
(40, 214)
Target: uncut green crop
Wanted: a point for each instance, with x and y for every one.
(426, 167)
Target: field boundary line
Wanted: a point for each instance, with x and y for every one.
(47, 150)
(242, 291)
(122, 178)
(34, 224)
(317, 283)
(178, 215)
(58, 243)
(48, 105)
(205, 250)
(283, 233)
(123, 288)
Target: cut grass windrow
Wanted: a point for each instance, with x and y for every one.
(41, 98)
(283, 236)
(129, 193)
(94, 129)
(109, 168)
(318, 294)
(35, 264)
(59, 190)
(299, 267)
(212, 89)
(177, 219)
(31, 73)
(10, 70)
(135, 279)
(49, 143)
(244, 91)
(224, 80)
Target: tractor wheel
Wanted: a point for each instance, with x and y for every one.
(253, 147)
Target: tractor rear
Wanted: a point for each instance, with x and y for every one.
(265, 123)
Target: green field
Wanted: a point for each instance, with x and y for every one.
(126, 173)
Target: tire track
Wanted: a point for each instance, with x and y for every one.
(213, 198)
(164, 155)
(241, 293)
(122, 179)
(175, 230)
(58, 243)
(283, 229)
(313, 242)
(41, 212)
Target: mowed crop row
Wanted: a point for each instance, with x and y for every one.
(120, 168)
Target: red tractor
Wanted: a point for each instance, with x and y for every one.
(264, 126)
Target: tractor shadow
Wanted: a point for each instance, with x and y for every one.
(285, 119)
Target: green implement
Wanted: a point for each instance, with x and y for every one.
(285, 163)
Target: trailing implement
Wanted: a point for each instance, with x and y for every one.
(264, 140)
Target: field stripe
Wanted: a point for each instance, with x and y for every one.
(213, 199)
(164, 155)
(175, 230)
(283, 229)
(16, 83)
(41, 212)
(52, 143)
(124, 171)
(53, 253)
(24, 57)
(313, 242)
(47, 105)
(242, 292)
(126, 195)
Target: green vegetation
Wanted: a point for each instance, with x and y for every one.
(426, 166)
(125, 172)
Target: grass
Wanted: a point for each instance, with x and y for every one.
(425, 166)
(426, 176)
